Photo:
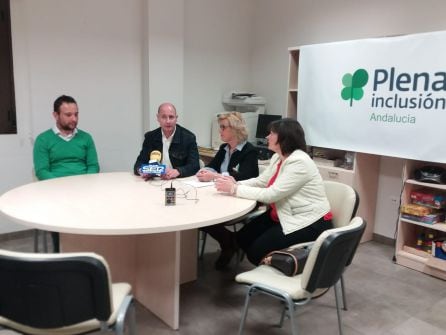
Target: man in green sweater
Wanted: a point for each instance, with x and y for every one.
(64, 150)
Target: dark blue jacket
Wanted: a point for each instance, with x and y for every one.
(183, 151)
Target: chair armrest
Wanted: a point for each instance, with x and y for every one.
(307, 245)
(255, 213)
(248, 217)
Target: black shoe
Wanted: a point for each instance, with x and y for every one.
(225, 258)
(228, 251)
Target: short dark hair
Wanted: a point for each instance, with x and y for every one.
(63, 99)
(290, 135)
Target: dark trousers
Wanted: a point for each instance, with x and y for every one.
(219, 232)
(262, 235)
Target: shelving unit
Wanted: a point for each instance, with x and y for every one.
(406, 252)
(363, 176)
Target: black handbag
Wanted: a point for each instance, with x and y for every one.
(289, 261)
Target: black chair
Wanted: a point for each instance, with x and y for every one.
(62, 294)
(330, 254)
(344, 203)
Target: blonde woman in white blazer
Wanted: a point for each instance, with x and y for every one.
(292, 187)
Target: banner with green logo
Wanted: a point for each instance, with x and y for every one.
(384, 96)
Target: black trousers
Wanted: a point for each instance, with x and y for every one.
(219, 232)
(262, 235)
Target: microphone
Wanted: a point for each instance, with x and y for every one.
(154, 168)
(155, 157)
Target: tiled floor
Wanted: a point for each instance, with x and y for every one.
(383, 298)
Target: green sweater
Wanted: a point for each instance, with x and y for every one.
(55, 157)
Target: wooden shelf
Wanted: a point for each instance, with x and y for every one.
(429, 265)
(408, 230)
(436, 263)
(427, 185)
(416, 252)
(436, 226)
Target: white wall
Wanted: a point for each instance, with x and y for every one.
(120, 59)
(165, 56)
(197, 50)
(287, 23)
(217, 58)
(91, 50)
(82, 49)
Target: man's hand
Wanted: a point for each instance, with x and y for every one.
(170, 174)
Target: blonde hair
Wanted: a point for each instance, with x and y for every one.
(237, 123)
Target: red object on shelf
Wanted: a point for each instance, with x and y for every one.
(428, 198)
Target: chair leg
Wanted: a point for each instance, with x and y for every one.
(290, 307)
(282, 316)
(132, 319)
(344, 296)
(45, 241)
(127, 308)
(38, 232)
(36, 240)
(203, 244)
(338, 308)
(245, 310)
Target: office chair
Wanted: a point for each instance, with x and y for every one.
(63, 294)
(344, 202)
(330, 254)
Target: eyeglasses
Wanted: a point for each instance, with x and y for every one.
(223, 127)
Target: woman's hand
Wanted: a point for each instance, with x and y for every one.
(206, 175)
(226, 184)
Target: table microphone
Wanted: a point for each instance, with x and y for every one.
(170, 196)
(155, 157)
(154, 168)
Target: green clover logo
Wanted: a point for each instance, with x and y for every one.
(353, 85)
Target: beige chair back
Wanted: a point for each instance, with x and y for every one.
(343, 200)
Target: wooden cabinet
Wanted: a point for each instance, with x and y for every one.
(408, 252)
(362, 174)
(292, 82)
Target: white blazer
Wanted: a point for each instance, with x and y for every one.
(298, 191)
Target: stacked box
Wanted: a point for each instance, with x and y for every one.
(428, 198)
(439, 249)
(427, 207)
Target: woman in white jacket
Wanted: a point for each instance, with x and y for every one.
(292, 187)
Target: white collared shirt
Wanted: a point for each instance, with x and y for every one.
(166, 146)
(225, 164)
(62, 135)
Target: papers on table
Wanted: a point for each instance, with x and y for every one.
(197, 183)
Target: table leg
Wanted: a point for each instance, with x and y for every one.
(154, 264)
(158, 275)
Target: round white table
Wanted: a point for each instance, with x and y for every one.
(124, 218)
